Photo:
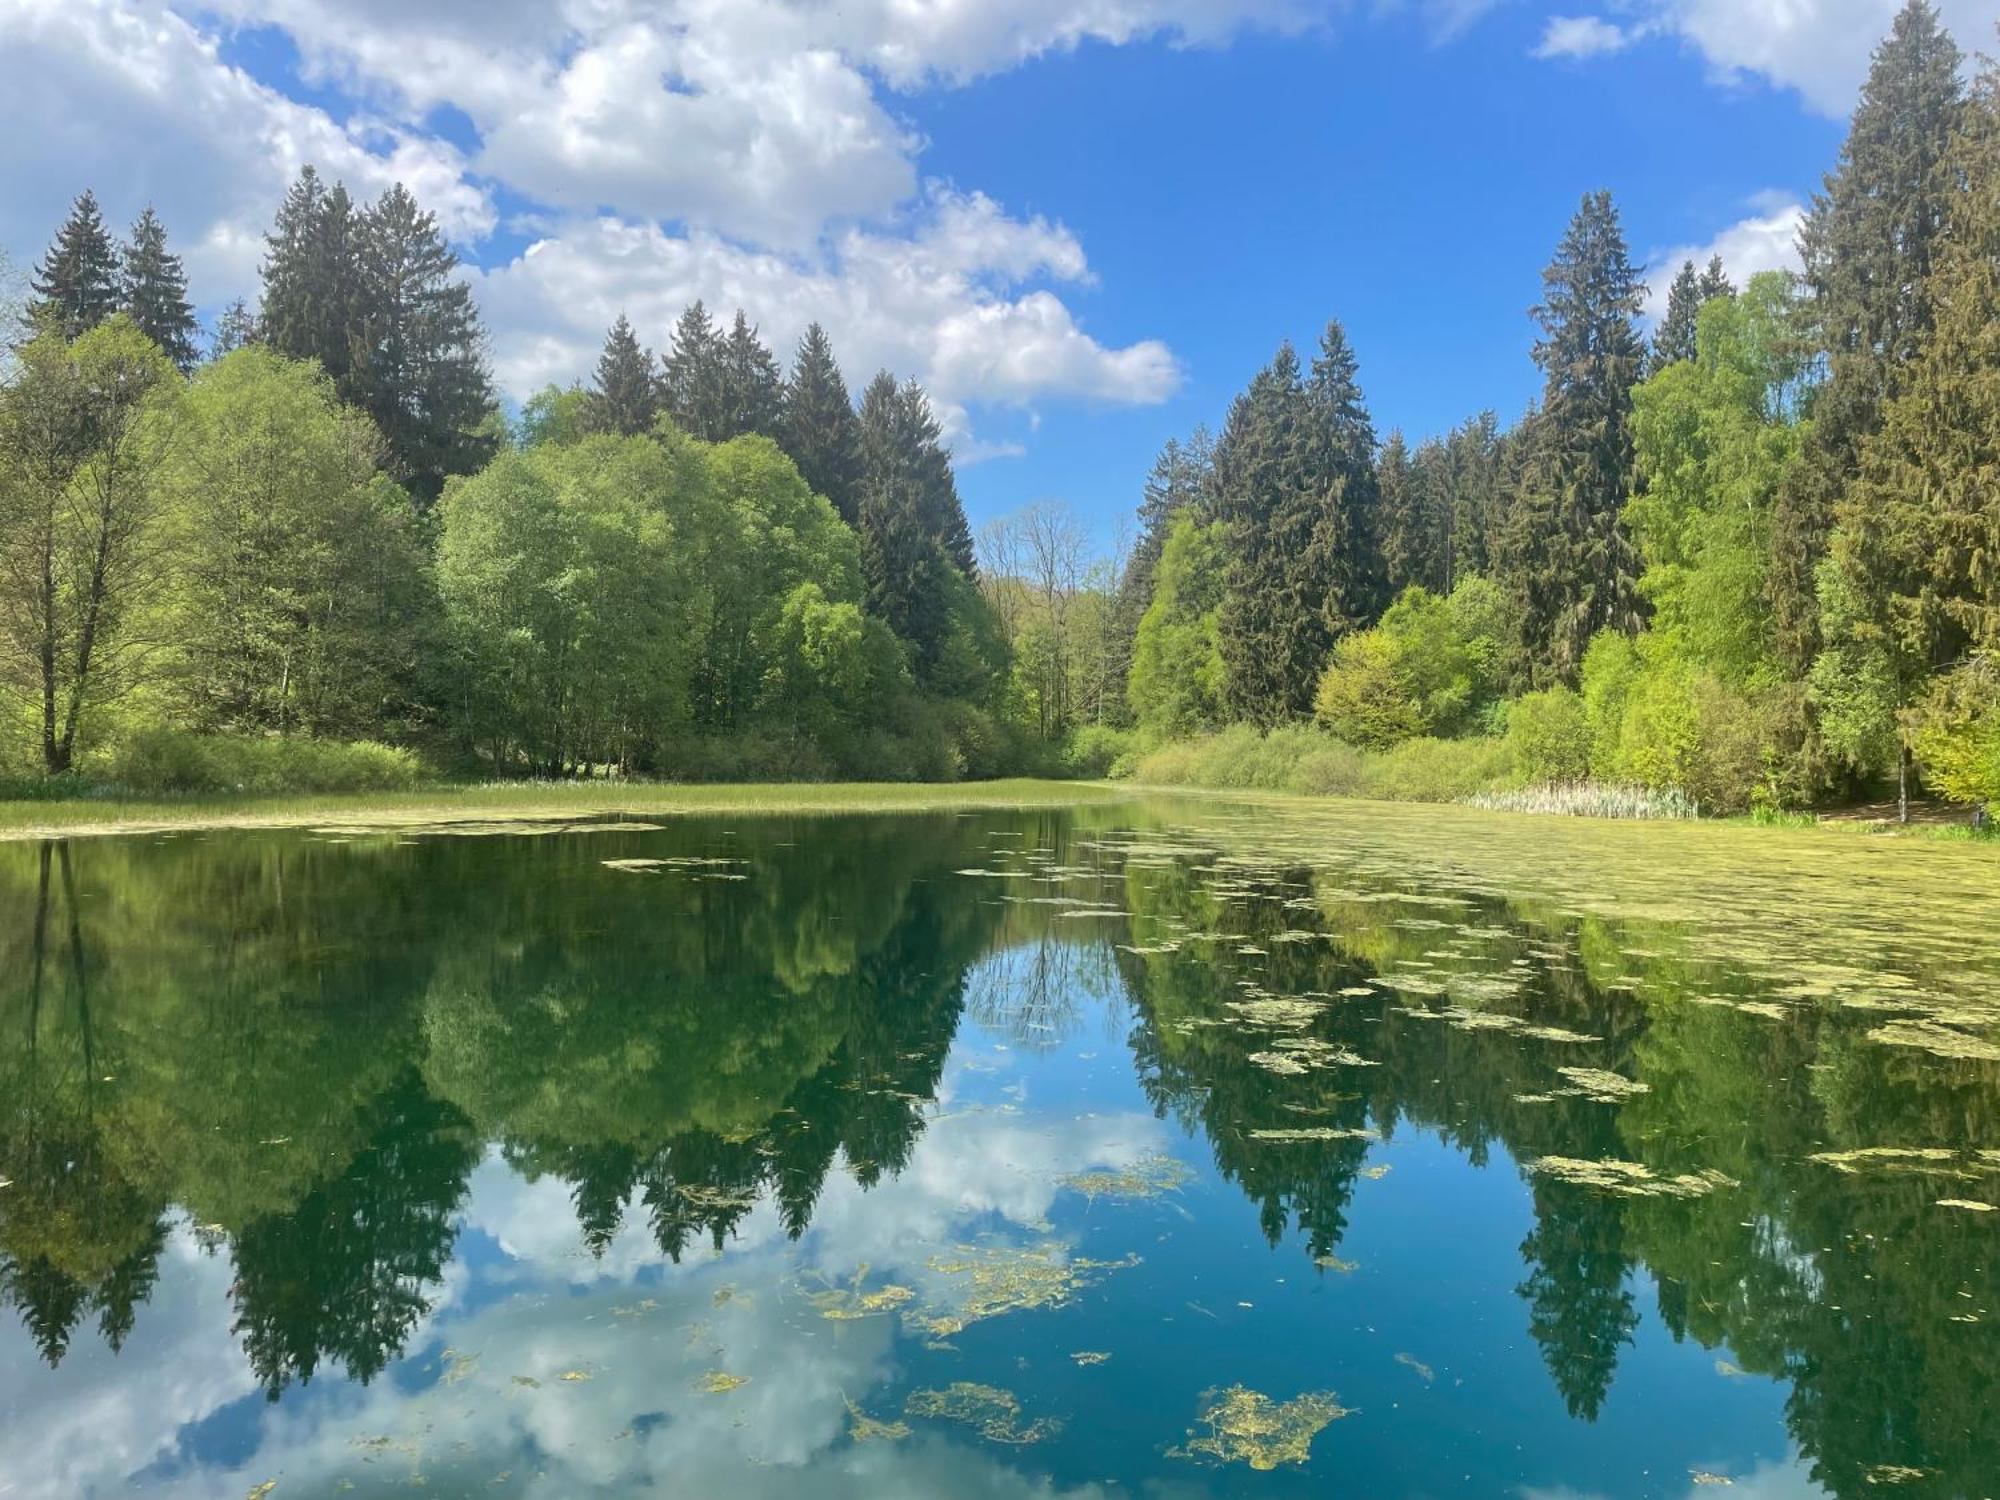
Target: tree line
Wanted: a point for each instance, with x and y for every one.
(697, 564)
(1751, 558)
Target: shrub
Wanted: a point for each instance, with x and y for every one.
(1548, 735)
(1310, 762)
(1432, 770)
(1096, 748)
(1958, 734)
(159, 761)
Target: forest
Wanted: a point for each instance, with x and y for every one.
(1744, 557)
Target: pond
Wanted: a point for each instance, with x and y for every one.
(1176, 1148)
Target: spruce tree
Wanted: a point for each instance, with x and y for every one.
(1181, 481)
(1692, 290)
(1344, 565)
(1570, 570)
(1271, 626)
(1475, 456)
(902, 563)
(943, 513)
(419, 351)
(1431, 486)
(694, 377)
(753, 388)
(236, 327)
(312, 279)
(818, 427)
(625, 397)
(153, 289)
(75, 285)
(1715, 282)
(1869, 245)
(1405, 539)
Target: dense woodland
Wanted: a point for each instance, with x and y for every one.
(1749, 559)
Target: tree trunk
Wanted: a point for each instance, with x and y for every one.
(1902, 783)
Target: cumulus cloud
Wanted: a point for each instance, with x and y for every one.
(1766, 240)
(942, 296)
(1581, 36)
(1820, 48)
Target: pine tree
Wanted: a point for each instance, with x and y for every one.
(1431, 487)
(1570, 570)
(235, 328)
(153, 290)
(626, 396)
(1715, 282)
(75, 285)
(312, 279)
(420, 365)
(818, 427)
(1868, 245)
(1475, 454)
(753, 388)
(694, 377)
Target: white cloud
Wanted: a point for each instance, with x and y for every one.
(1767, 240)
(1820, 48)
(1582, 36)
(938, 296)
(135, 102)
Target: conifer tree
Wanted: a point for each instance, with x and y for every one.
(236, 327)
(902, 563)
(1715, 282)
(694, 376)
(1181, 482)
(1345, 562)
(1569, 569)
(75, 285)
(818, 427)
(1271, 626)
(312, 279)
(1868, 245)
(943, 513)
(1431, 482)
(153, 289)
(1475, 454)
(1405, 540)
(419, 351)
(753, 388)
(625, 397)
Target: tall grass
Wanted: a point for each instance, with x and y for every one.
(1310, 762)
(1589, 799)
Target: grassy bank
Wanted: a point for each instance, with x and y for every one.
(524, 801)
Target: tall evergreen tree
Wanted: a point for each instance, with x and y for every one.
(1405, 535)
(1181, 482)
(420, 365)
(236, 327)
(694, 376)
(818, 427)
(625, 397)
(312, 279)
(1475, 455)
(153, 289)
(1567, 565)
(753, 399)
(1692, 290)
(943, 513)
(1432, 483)
(1271, 626)
(75, 285)
(903, 564)
(1346, 557)
(1869, 245)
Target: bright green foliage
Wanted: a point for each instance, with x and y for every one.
(1548, 734)
(1424, 670)
(153, 290)
(625, 395)
(1958, 734)
(85, 428)
(1177, 671)
(300, 597)
(1182, 480)
(1713, 435)
(76, 283)
(818, 427)
(1564, 560)
(1869, 247)
(572, 602)
(556, 414)
(828, 668)
(1658, 720)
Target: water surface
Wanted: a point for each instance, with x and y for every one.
(1174, 1149)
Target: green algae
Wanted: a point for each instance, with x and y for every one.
(1239, 1425)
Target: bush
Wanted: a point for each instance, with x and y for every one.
(1431, 770)
(1310, 762)
(169, 761)
(1548, 735)
(1096, 748)
(1958, 734)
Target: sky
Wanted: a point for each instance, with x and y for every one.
(1082, 224)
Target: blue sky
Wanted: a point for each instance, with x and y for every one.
(1083, 223)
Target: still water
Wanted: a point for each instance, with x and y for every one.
(1170, 1149)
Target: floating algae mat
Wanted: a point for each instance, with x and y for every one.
(1077, 1152)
